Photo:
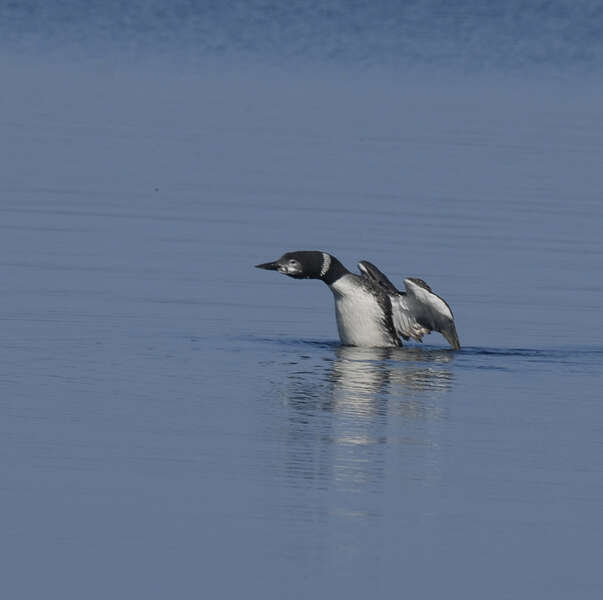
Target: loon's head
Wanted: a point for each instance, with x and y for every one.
(303, 264)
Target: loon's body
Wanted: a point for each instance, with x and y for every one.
(363, 313)
(369, 310)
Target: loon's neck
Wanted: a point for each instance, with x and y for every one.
(334, 270)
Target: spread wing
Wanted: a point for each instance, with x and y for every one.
(418, 310)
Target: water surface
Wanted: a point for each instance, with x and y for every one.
(177, 423)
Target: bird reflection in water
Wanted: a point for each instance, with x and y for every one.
(348, 410)
(366, 380)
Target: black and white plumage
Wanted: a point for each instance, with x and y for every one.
(370, 311)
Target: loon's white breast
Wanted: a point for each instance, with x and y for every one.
(359, 316)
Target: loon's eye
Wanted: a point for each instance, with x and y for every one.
(292, 261)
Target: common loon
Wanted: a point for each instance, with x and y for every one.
(370, 311)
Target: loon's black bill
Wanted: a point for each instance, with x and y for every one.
(269, 266)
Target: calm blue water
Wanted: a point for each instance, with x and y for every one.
(176, 423)
(556, 35)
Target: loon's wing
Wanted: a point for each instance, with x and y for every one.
(372, 273)
(405, 323)
(430, 310)
(417, 311)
